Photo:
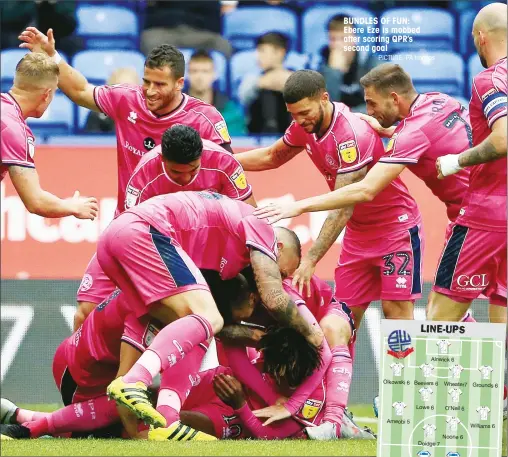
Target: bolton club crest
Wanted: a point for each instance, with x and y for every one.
(399, 342)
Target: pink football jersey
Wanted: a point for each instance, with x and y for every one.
(215, 231)
(138, 130)
(17, 142)
(321, 294)
(348, 145)
(219, 172)
(484, 205)
(93, 352)
(436, 125)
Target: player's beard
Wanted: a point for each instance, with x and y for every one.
(483, 61)
(319, 123)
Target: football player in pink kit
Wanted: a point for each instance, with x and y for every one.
(107, 344)
(431, 124)
(152, 252)
(141, 113)
(474, 259)
(343, 148)
(183, 162)
(35, 83)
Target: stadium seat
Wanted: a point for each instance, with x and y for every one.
(243, 25)
(220, 64)
(466, 19)
(97, 65)
(9, 59)
(244, 62)
(57, 119)
(108, 27)
(315, 21)
(438, 71)
(437, 28)
(474, 66)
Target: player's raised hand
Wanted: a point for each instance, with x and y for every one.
(229, 390)
(303, 275)
(84, 207)
(36, 41)
(276, 211)
(447, 165)
(373, 122)
(272, 413)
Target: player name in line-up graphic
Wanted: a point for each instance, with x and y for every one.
(481, 376)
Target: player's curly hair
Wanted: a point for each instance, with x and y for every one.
(288, 355)
(166, 55)
(303, 84)
(181, 144)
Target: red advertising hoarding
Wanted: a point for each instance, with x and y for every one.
(38, 248)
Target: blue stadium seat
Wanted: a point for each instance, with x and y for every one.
(108, 27)
(221, 67)
(437, 28)
(97, 65)
(474, 66)
(437, 71)
(315, 21)
(58, 118)
(9, 58)
(244, 62)
(466, 19)
(243, 25)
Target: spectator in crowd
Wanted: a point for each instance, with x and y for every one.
(99, 122)
(201, 76)
(184, 24)
(60, 16)
(343, 69)
(261, 93)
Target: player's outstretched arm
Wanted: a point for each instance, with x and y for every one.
(333, 225)
(71, 82)
(267, 158)
(366, 190)
(492, 148)
(38, 201)
(241, 335)
(276, 300)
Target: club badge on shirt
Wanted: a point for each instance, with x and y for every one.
(222, 130)
(311, 408)
(348, 151)
(238, 177)
(391, 142)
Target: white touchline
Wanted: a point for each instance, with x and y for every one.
(22, 316)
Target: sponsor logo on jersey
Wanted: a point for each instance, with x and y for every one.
(131, 196)
(390, 144)
(222, 130)
(86, 283)
(150, 333)
(348, 151)
(149, 143)
(31, 146)
(238, 177)
(486, 94)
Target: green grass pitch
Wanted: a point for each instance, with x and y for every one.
(71, 447)
(247, 447)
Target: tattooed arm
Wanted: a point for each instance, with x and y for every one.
(277, 302)
(241, 335)
(492, 148)
(333, 225)
(267, 158)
